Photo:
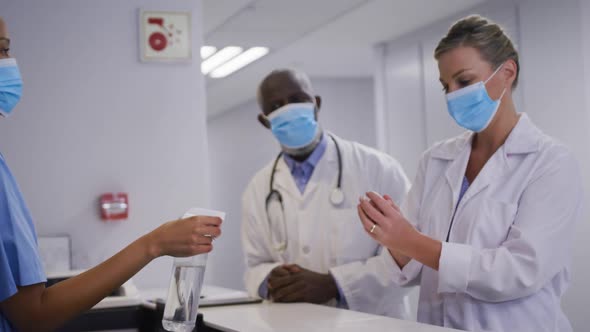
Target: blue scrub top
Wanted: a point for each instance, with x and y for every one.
(20, 264)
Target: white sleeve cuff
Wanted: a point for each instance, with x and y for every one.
(406, 275)
(453, 267)
(256, 275)
(368, 286)
(343, 276)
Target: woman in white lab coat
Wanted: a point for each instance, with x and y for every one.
(487, 227)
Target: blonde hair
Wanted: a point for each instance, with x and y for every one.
(487, 37)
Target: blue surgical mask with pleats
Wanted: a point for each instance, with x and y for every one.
(472, 107)
(294, 125)
(11, 86)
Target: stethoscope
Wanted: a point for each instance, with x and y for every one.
(274, 198)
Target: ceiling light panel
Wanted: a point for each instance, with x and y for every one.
(219, 58)
(239, 62)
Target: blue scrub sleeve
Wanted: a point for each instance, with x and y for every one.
(20, 264)
(341, 299)
(263, 289)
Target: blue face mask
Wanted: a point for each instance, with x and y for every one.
(294, 125)
(11, 86)
(471, 107)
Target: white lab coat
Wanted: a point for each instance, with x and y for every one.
(506, 264)
(324, 238)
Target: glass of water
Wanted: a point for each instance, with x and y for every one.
(180, 313)
(182, 303)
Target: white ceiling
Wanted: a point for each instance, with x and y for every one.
(325, 38)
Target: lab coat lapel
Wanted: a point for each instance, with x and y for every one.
(455, 174)
(493, 169)
(523, 139)
(326, 168)
(284, 181)
(457, 156)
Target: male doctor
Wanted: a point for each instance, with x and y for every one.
(300, 230)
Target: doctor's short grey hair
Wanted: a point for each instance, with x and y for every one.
(296, 75)
(492, 42)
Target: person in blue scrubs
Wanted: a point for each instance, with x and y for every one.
(25, 303)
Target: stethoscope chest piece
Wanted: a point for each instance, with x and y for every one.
(337, 197)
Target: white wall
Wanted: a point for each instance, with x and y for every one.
(554, 95)
(552, 38)
(94, 119)
(585, 20)
(240, 146)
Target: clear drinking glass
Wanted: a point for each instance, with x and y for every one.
(182, 303)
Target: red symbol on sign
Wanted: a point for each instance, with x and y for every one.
(159, 40)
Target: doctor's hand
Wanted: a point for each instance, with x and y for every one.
(183, 238)
(292, 283)
(384, 222)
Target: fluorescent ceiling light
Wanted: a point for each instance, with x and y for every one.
(239, 61)
(219, 58)
(207, 51)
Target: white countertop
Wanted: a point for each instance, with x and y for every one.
(290, 317)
